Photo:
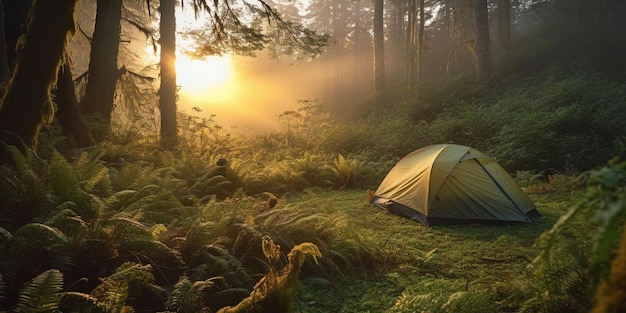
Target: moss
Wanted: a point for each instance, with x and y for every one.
(27, 104)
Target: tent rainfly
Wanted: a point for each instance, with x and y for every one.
(452, 184)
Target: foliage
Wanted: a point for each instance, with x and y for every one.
(457, 302)
(202, 136)
(276, 291)
(42, 294)
(572, 264)
(124, 287)
(244, 28)
(609, 296)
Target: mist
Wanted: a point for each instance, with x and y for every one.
(261, 89)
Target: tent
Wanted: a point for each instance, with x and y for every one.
(452, 184)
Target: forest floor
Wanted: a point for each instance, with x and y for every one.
(419, 264)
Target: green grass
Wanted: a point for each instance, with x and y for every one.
(489, 262)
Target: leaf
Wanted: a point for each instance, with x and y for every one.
(42, 294)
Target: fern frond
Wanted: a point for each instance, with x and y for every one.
(73, 181)
(42, 294)
(31, 240)
(122, 225)
(222, 263)
(67, 220)
(154, 252)
(24, 191)
(276, 291)
(121, 287)
(408, 302)
(184, 298)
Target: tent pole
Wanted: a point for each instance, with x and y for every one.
(502, 189)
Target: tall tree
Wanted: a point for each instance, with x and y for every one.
(103, 69)
(27, 104)
(411, 34)
(68, 112)
(504, 25)
(482, 46)
(420, 39)
(4, 62)
(167, 90)
(379, 50)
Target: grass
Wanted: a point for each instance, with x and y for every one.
(490, 262)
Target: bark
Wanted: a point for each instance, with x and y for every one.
(4, 62)
(15, 22)
(411, 65)
(504, 25)
(27, 105)
(420, 40)
(69, 114)
(103, 70)
(481, 35)
(167, 91)
(379, 50)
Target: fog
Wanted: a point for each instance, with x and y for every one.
(261, 89)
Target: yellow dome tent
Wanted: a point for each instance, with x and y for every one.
(452, 184)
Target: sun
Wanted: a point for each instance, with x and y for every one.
(198, 76)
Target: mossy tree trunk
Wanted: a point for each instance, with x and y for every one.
(27, 104)
(167, 91)
(103, 70)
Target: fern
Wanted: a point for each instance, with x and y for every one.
(331, 233)
(119, 289)
(276, 291)
(345, 173)
(65, 218)
(571, 264)
(186, 297)
(222, 263)
(24, 192)
(408, 302)
(79, 182)
(42, 294)
(34, 241)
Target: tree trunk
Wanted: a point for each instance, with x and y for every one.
(15, 22)
(103, 70)
(379, 50)
(420, 41)
(167, 91)
(504, 25)
(411, 64)
(4, 62)
(481, 35)
(68, 113)
(26, 105)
